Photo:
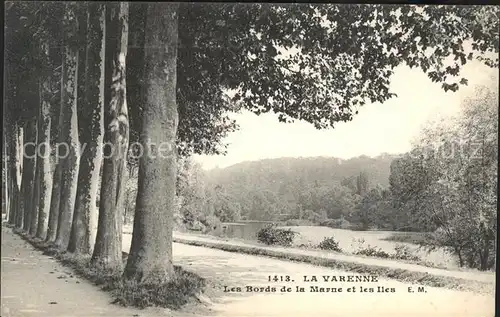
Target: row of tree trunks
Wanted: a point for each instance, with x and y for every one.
(70, 163)
(64, 191)
(84, 228)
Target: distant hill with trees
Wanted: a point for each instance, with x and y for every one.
(285, 175)
(307, 190)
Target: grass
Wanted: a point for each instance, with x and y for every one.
(183, 288)
(422, 278)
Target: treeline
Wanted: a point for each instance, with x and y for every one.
(349, 194)
(95, 90)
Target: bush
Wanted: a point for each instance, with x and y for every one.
(271, 235)
(368, 250)
(403, 252)
(329, 243)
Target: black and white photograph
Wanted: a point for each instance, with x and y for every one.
(225, 159)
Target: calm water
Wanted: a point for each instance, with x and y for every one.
(244, 229)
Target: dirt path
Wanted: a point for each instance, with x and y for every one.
(37, 285)
(239, 270)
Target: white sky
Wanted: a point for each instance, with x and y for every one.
(378, 128)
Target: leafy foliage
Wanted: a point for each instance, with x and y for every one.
(329, 243)
(372, 251)
(318, 63)
(271, 235)
(296, 188)
(449, 181)
(340, 223)
(403, 252)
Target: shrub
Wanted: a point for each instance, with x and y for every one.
(271, 235)
(372, 251)
(329, 243)
(403, 252)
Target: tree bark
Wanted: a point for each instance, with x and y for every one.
(108, 247)
(8, 144)
(69, 129)
(28, 178)
(11, 181)
(14, 183)
(36, 188)
(19, 172)
(150, 257)
(44, 167)
(55, 197)
(85, 218)
(6, 171)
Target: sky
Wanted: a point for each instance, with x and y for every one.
(378, 128)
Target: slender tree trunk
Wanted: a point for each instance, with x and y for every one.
(85, 218)
(7, 138)
(69, 127)
(5, 177)
(108, 246)
(150, 257)
(9, 124)
(28, 178)
(36, 189)
(36, 184)
(55, 197)
(19, 172)
(44, 166)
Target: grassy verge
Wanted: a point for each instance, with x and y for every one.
(185, 287)
(421, 278)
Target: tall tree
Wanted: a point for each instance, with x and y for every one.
(85, 218)
(28, 178)
(108, 247)
(44, 167)
(150, 256)
(5, 175)
(55, 198)
(450, 180)
(15, 172)
(362, 183)
(69, 127)
(17, 191)
(36, 185)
